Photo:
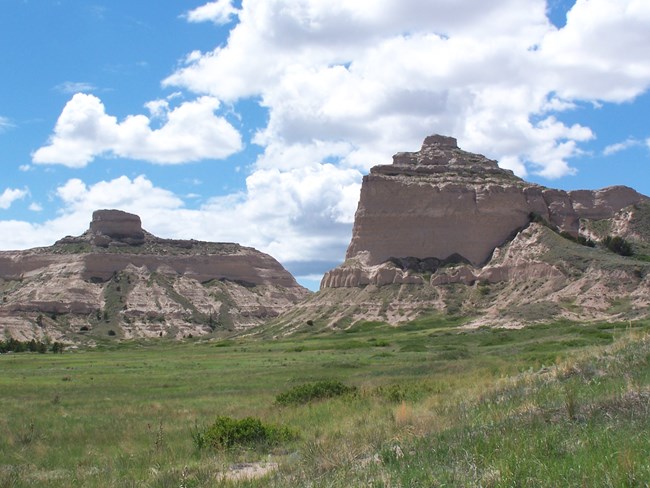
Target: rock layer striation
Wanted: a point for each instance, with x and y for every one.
(442, 230)
(442, 203)
(116, 276)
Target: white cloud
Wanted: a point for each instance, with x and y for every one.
(124, 193)
(157, 108)
(601, 53)
(72, 87)
(295, 215)
(191, 132)
(219, 12)
(35, 207)
(379, 76)
(621, 146)
(10, 195)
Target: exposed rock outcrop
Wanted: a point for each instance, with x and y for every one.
(446, 231)
(442, 201)
(118, 277)
(538, 276)
(112, 226)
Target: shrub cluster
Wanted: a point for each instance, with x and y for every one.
(538, 219)
(618, 245)
(579, 239)
(13, 345)
(302, 394)
(228, 433)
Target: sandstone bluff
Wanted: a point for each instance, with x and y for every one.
(445, 230)
(117, 279)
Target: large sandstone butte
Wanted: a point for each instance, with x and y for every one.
(118, 277)
(442, 201)
(442, 229)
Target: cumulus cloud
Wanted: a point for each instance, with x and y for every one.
(300, 214)
(219, 12)
(380, 76)
(190, 132)
(122, 192)
(10, 195)
(599, 54)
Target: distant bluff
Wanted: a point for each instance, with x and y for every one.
(445, 204)
(117, 277)
(115, 239)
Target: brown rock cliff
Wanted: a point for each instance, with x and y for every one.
(442, 201)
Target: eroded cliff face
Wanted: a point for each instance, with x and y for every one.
(445, 231)
(442, 202)
(117, 277)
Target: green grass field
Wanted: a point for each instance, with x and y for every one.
(434, 405)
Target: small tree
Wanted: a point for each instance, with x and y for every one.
(618, 245)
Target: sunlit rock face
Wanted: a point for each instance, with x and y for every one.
(444, 203)
(115, 226)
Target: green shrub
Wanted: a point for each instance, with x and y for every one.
(618, 245)
(586, 242)
(579, 239)
(249, 432)
(313, 391)
(537, 218)
(14, 345)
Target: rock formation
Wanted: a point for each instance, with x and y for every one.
(440, 227)
(442, 201)
(118, 277)
(114, 226)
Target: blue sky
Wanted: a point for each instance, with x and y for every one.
(254, 121)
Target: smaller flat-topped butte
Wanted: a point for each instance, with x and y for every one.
(118, 277)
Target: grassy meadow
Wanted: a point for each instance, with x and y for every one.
(433, 404)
